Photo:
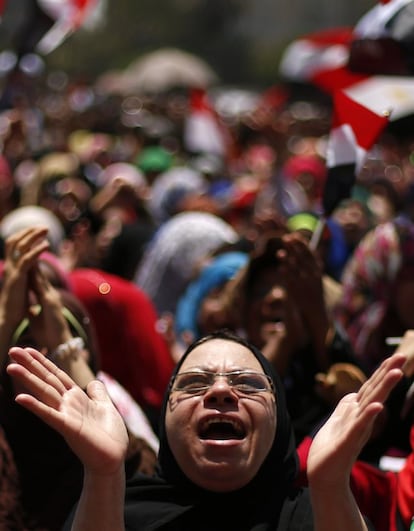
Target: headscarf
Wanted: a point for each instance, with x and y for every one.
(312, 164)
(170, 501)
(369, 281)
(215, 274)
(131, 349)
(176, 250)
(33, 216)
(170, 187)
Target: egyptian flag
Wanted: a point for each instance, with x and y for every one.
(388, 17)
(204, 132)
(42, 25)
(381, 43)
(383, 40)
(36, 23)
(69, 16)
(355, 129)
(321, 59)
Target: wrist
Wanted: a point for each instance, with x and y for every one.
(69, 350)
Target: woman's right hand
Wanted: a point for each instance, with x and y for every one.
(89, 422)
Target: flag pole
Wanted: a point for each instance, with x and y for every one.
(317, 233)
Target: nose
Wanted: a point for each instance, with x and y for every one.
(276, 293)
(273, 301)
(220, 392)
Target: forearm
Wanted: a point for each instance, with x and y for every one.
(72, 358)
(6, 333)
(101, 505)
(336, 510)
(78, 370)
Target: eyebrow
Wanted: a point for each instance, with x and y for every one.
(199, 368)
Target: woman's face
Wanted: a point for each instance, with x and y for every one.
(270, 308)
(353, 219)
(220, 437)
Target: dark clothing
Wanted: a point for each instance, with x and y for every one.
(174, 510)
(305, 407)
(45, 464)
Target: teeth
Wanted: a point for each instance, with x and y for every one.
(227, 421)
(220, 420)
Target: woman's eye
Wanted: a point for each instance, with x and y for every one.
(249, 381)
(193, 381)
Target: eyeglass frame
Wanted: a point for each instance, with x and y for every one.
(202, 390)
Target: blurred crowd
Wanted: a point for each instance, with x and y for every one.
(140, 223)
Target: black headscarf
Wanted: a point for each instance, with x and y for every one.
(170, 501)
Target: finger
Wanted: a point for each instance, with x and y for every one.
(40, 282)
(379, 391)
(36, 249)
(97, 391)
(47, 413)
(382, 381)
(26, 238)
(354, 421)
(39, 389)
(20, 235)
(36, 364)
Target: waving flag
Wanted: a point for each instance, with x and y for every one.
(69, 15)
(380, 43)
(204, 132)
(356, 127)
(385, 19)
(383, 41)
(39, 26)
(321, 59)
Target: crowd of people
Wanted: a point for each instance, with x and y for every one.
(186, 342)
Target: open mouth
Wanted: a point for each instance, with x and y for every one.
(221, 429)
(273, 322)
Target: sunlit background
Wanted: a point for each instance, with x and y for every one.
(242, 40)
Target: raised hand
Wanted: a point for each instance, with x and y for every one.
(338, 443)
(89, 422)
(22, 250)
(303, 271)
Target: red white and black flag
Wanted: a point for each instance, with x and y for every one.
(355, 129)
(68, 15)
(380, 43)
(388, 18)
(40, 26)
(204, 132)
(368, 71)
(383, 39)
(321, 59)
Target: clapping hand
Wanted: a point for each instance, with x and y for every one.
(89, 422)
(338, 443)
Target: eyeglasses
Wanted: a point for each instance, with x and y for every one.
(243, 382)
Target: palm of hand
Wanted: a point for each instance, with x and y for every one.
(92, 427)
(89, 421)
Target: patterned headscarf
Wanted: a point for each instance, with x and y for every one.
(368, 281)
